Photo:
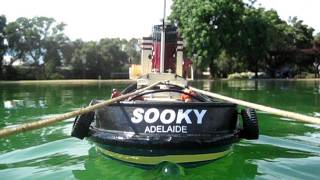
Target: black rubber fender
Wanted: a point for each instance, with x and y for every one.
(250, 129)
(81, 125)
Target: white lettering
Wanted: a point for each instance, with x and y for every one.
(167, 116)
(199, 115)
(138, 115)
(184, 129)
(151, 119)
(147, 130)
(183, 115)
(178, 129)
(171, 118)
(153, 129)
(169, 129)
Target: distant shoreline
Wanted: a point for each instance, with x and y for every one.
(267, 79)
(127, 81)
(68, 81)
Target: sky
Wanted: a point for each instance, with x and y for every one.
(96, 19)
(306, 10)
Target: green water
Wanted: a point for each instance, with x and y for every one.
(286, 149)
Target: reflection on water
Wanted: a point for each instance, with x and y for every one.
(12, 104)
(20, 103)
(316, 89)
(50, 160)
(297, 168)
(70, 158)
(15, 104)
(286, 149)
(207, 85)
(246, 85)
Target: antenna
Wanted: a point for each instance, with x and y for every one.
(163, 37)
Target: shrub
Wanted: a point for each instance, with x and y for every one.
(56, 76)
(243, 75)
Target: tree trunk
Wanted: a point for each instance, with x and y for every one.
(256, 69)
(1, 68)
(1, 77)
(211, 65)
(300, 73)
(256, 85)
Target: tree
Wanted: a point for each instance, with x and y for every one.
(256, 38)
(55, 54)
(52, 58)
(208, 27)
(3, 47)
(317, 38)
(281, 39)
(237, 29)
(302, 33)
(131, 47)
(98, 59)
(226, 64)
(78, 60)
(34, 40)
(67, 50)
(113, 55)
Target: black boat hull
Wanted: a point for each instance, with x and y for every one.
(149, 133)
(203, 118)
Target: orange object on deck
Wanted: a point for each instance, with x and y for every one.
(186, 97)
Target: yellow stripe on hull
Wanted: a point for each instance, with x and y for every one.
(152, 160)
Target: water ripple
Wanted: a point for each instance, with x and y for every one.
(288, 144)
(69, 146)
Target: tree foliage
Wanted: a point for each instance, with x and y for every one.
(256, 38)
(40, 43)
(208, 26)
(226, 35)
(3, 47)
(29, 39)
(131, 47)
(302, 33)
(317, 39)
(216, 29)
(98, 59)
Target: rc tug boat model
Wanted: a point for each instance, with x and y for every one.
(168, 122)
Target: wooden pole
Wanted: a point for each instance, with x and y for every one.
(279, 112)
(46, 122)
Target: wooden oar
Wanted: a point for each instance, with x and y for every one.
(46, 122)
(275, 111)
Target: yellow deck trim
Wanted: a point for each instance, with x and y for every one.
(151, 160)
